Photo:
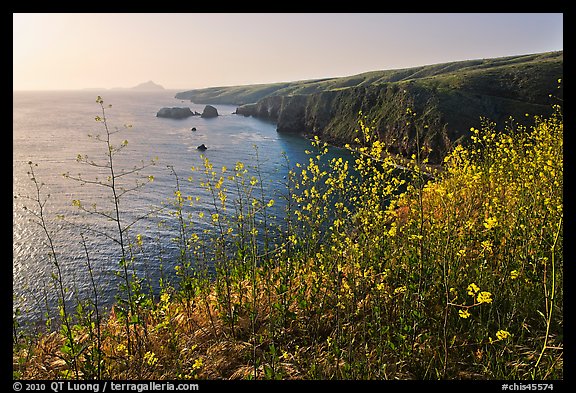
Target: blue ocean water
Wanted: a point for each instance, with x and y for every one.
(51, 129)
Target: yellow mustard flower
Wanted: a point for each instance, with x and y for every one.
(164, 297)
(484, 297)
(502, 334)
(472, 289)
(464, 313)
(150, 358)
(487, 245)
(197, 364)
(401, 289)
(491, 222)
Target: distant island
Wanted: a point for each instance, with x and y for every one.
(145, 86)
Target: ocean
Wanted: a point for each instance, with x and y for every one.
(50, 129)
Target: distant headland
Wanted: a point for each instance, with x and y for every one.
(145, 86)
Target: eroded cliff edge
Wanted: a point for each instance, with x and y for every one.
(448, 100)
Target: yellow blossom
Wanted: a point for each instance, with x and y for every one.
(150, 358)
(491, 222)
(487, 245)
(484, 297)
(472, 289)
(401, 289)
(502, 334)
(197, 364)
(464, 313)
(164, 297)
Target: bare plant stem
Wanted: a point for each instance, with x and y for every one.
(41, 216)
(552, 293)
(96, 310)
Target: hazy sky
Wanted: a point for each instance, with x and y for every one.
(184, 51)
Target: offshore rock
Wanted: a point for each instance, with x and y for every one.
(209, 111)
(175, 113)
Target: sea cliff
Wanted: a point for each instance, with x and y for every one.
(448, 99)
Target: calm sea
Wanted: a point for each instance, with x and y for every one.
(52, 128)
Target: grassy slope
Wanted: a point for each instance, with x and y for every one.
(443, 76)
(449, 99)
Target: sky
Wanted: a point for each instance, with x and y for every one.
(187, 51)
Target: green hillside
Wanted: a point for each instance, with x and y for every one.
(449, 98)
(445, 75)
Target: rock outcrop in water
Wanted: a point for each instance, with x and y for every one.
(175, 113)
(209, 112)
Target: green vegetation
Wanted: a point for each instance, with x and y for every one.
(448, 75)
(372, 273)
(450, 98)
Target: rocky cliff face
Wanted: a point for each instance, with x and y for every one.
(334, 115)
(443, 116)
(448, 100)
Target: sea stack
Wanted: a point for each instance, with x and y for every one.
(174, 113)
(209, 111)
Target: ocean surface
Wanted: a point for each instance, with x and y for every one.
(51, 129)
